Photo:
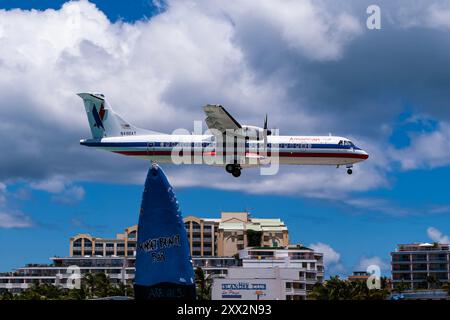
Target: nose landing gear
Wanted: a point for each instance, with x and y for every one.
(234, 169)
(349, 169)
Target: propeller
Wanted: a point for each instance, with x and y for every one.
(265, 126)
(266, 132)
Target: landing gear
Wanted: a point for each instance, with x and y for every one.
(236, 172)
(234, 169)
(349, 168)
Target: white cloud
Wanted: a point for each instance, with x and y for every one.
(63, 191)
(331, 258)
(52, 185)
(365, 262)
(158, 73)
(70, 195)
(438, 16)
(14, 220)
(426, 150)
(437, 236)
(307, 27)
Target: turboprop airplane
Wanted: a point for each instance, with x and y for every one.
(230, 144)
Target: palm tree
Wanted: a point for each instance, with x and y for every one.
(6, 295)
(203, 285)
(89, 282)
(337, 289)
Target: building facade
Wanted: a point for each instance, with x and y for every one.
(222, 237)
(288, 273)
(359, 276)
(227, 235)
(118, 269)
(420, 266)
(214, 244)
(124, 245)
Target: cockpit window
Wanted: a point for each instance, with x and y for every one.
(346, 143)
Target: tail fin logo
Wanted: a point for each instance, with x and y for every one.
(99, 116)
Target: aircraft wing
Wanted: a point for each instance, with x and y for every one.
(219, 119)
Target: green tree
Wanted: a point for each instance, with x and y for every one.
(6, 295)
(401, 287)
(337, 289)
(203, 285)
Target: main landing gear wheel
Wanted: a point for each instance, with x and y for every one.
(229, 168)
(349, 171)
(236, 172)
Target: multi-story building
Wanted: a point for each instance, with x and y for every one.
(124, 245)
(232, 232)
(222, 237)
(88, 254)
(271, 274)
(118, 269)
(213, 243)
(421, 265)
(359, 276)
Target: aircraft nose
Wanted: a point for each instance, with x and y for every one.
(365, 154)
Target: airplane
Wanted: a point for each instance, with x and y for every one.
(250, 146)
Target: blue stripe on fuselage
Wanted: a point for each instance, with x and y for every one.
(145, 144)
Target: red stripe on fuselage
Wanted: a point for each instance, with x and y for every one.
(281, 154)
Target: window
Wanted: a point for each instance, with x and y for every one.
(346, 143)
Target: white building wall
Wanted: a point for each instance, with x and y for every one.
(247, 289)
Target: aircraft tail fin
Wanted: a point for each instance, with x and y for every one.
(103, 121)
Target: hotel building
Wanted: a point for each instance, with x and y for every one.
(209, 240)
(421, 266)
(288, 273)
(230, 233)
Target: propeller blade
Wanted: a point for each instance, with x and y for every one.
(267, 132)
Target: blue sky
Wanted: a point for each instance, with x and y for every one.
(396, 197)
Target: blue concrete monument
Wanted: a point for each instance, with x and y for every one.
(163, 261)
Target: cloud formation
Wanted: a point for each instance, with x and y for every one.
(331, 258)
(14, 220)
(365, 262)
(437, 236)
(315, 69)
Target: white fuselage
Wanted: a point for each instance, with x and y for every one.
(296, 150)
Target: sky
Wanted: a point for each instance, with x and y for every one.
(312, 66)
